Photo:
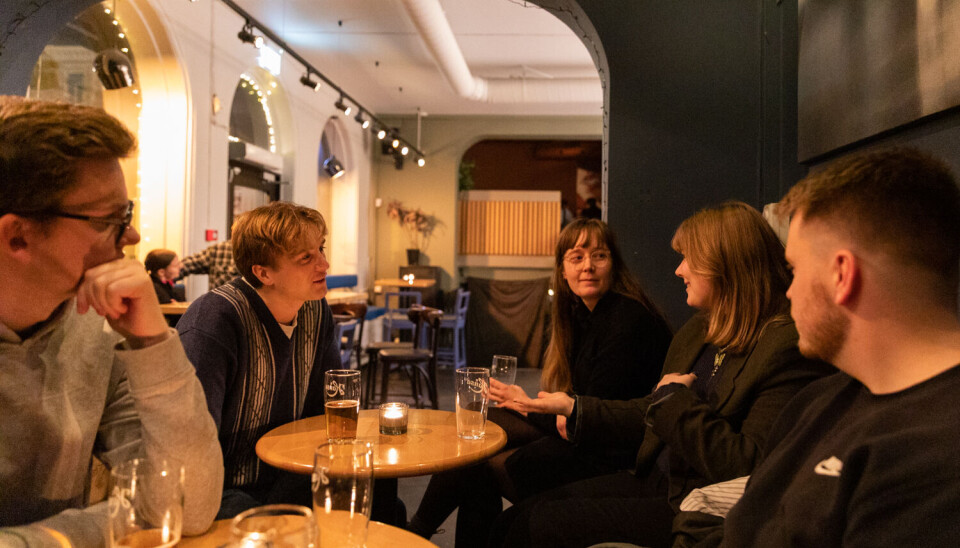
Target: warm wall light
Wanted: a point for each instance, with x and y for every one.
(333, 167)
(395, 143)
(310, 82)
(364, 123)
(114, 69)
(247, 36)
(342, 106)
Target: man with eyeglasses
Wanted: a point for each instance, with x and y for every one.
(89, 366)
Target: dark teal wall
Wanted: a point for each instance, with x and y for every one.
(702, 109)
(25, 28)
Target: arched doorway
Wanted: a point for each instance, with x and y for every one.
(338, 197)
(154, 107)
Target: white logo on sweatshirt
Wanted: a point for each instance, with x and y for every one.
(829, 467)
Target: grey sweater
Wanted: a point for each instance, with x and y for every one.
(73, 390)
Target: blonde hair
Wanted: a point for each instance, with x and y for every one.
(556, 375)
(279, 227)
(734, 248)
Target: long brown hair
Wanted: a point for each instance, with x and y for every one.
(735, 249)
(556, 369)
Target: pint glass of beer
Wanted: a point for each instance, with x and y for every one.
(342, 403)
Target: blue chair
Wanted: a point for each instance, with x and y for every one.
(395, 320)
(342, 280)
(345, 330)
(455, 355)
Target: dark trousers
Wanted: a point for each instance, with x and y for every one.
(534, 460)
(613, 508)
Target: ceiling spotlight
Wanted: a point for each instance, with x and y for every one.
(333, 167)
(347, 109)
(404, 150)
(310, 82)
(114, 69)
(381, 133)
(420, 161)
(247, 36)
(395, 143)
(364, 123)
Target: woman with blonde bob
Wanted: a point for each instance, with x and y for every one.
(609, 341)
(728, 372)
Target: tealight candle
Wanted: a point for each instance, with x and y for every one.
(393, 418)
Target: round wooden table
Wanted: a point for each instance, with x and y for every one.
(430, 445)
(379, 535)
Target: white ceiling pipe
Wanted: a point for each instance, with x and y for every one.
(434, 29)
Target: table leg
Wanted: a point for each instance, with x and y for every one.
(387, 507)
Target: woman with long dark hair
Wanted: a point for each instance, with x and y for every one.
(729, 371)
(609, 341)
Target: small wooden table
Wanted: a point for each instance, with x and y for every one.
(418, 283)
(430, 445)
(379, 535)
(174, 309)
(335, 296)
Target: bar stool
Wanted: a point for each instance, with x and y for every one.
(417, 362)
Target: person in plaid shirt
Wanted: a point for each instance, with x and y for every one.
(215, 261)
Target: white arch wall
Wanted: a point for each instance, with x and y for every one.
(205, 34)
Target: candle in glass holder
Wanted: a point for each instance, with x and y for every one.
(393, 419)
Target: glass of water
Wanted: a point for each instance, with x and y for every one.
(472, 398)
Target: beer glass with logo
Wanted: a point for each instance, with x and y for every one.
(146, 504)
(342, 403)
(274, 526)
(343, 492)
(472, 398)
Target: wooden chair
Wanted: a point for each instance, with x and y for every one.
(419, 363)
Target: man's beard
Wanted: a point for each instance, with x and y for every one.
(825, 330)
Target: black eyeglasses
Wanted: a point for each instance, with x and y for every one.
(123, 222)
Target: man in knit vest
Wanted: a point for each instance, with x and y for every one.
(73, 386)
(261, 345)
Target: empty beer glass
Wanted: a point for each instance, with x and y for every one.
(146, 504)
(343, 492)
(472, 398)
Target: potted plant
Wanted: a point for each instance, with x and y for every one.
(416, 225)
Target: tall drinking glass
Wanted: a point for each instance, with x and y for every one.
(342, 403)
(472, 398)
(146, 504)
(343, 492)
(504, 369)
(274, 526)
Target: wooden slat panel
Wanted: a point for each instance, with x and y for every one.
(508, 227)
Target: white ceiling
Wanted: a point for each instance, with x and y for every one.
(377, 56)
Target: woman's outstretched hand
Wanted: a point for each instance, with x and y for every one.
(550, 403)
